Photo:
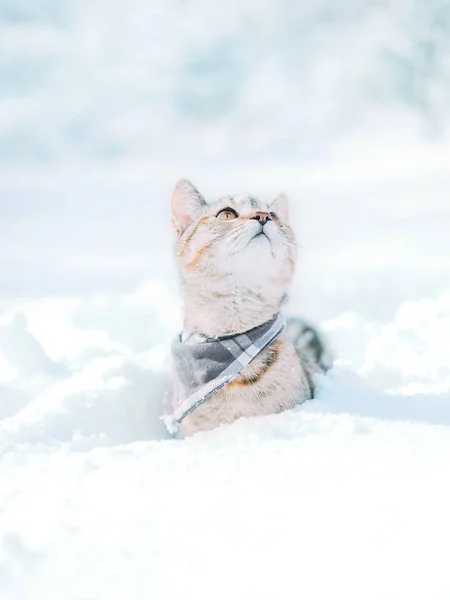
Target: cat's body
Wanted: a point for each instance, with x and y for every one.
(237, 258)
(272, 383)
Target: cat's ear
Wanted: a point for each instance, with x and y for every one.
(187, 204)
(280, 206)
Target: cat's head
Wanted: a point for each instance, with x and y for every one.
(239, 236)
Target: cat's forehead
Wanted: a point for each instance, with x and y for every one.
(242, 203)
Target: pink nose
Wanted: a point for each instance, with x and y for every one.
(262, 217)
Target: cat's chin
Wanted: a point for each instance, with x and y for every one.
(263, 246)
(258, 258)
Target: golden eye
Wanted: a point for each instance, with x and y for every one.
(227, 214)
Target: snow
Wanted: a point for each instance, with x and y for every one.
(346, 496)
(294, 504)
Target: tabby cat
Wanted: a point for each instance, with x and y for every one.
(237, 258)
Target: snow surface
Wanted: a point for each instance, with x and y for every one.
(345, 497)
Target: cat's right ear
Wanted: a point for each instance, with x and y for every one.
(187, 204)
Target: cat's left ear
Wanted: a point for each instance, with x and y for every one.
(280, 206)
(187, 205)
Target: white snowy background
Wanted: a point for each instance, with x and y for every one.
(103, 106)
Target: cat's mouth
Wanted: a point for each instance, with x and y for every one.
(263, 235)
(260, 234)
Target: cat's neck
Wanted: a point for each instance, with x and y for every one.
(220, 309)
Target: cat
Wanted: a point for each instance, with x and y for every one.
(236, 258)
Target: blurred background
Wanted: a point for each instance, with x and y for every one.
(343, 104)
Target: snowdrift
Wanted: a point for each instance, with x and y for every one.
(345, 496)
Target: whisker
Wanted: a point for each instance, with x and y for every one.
(294, 244)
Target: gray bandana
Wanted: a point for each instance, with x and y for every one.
(203, 365)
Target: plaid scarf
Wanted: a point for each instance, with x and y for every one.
(203, 365)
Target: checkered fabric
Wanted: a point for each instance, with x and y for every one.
(203, 365)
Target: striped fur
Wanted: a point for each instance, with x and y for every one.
(233, 280)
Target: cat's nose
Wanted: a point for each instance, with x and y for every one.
(262, 217)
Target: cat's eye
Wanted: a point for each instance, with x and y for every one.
(227, 214)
